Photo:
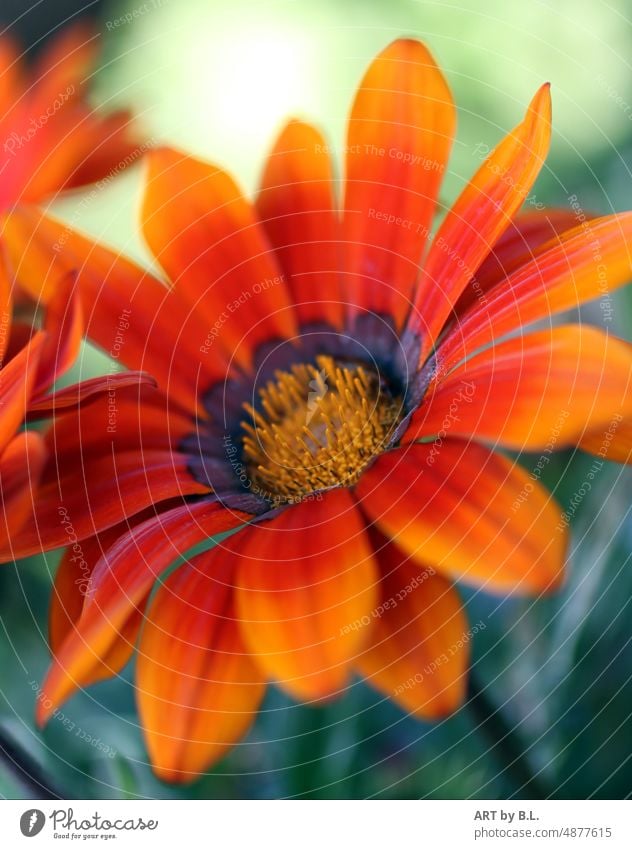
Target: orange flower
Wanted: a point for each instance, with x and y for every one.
(337, 405)
(50, 138)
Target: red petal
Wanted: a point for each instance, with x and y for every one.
(11, 80)
(418, 655)
(302, 578)
(212, 247)
(297, 209)
(6, 308)
(21, 465)
(588, 261)
(611, 443)
(479, 217)
(107, 147)
(73, 578)
(114, 425)
(400, 135)
(523, 238)
(98, 493)
(78, 145)
(74, 583)
(120, 584)
(63, 324)
(87, 392)
(544, 390)
(17, 378)
(129, 314)
(66, 60)
(469, 513)
(198, 689)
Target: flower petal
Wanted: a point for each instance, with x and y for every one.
(213, 249)
(525, 236)
(120, 584)
(21, 465)
(99, 493)
(480, 215)
(129, 314)
(73, 578)
(469, 513)
(400, 134)
(543, 389)
(79, 145)
(303, 576)
(10, 73)
(297, 209)
(65, 60)
(73, 581)
(197, 687)
(591, 260)
(63, 324)
(418, 655)
(17, 379)
(87, 392)
(612, 443)
(140, 421)
(6, 305)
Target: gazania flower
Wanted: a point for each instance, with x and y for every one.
(50, 138)
(337, 386)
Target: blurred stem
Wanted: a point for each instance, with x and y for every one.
(29, 773)
(506, 745)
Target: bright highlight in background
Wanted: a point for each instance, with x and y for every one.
(262, 76)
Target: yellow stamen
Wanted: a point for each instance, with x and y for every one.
(318, 428)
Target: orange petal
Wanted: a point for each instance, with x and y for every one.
(197, 687)
(480, 215)
(468, 512)
(98, 493)
(400, 134)
(67, 602)
(66, 60)
(107, 147)
(525, 236)
(591, 260)
(297, 209)
(544, 390)
(418, 655)
(146, 422)
(73, 579)
(120, 584)
(129, 314)
(63, 323)
(74, 584)
(17, 379)
(87, 392)
(613, 442)
(79, 145)
(11, 81)
(213, 249)
(21, 465)
(6, 306)
(303, 577)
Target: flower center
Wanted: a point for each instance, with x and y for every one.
(318, 427)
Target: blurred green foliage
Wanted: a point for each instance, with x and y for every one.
(219, 79)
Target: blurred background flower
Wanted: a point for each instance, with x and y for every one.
(552, 715)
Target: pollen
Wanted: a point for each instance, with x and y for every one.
(317, 427)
